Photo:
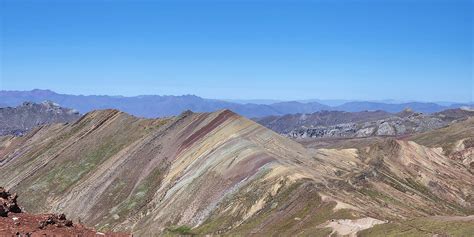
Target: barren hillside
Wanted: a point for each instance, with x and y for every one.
(221, 173)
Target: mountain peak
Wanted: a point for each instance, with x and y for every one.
(43, 92)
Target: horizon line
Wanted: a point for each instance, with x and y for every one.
(233, 100)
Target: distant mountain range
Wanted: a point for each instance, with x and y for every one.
(161, 106)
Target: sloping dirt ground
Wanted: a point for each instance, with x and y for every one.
(453, 218)
(14, 222)
(350, 228)
(24, 224)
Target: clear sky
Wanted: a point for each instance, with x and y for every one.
(371, 50)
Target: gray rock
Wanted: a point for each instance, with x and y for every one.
(385, 129)
(17, 121)
(365, 132)
(320, 125)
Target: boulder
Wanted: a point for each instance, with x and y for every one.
(8, 203)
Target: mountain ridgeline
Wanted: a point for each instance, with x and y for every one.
(220, 173)
(151, 106)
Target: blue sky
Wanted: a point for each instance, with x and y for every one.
(285, 50)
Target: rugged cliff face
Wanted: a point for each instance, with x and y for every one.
(18, 120)
(338, 124)
(222, 173)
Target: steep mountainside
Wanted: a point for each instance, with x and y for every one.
(18, 120)
(456, 114)
(337, 124)
(221, 173)
(457, 141)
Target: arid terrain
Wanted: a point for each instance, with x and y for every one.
(339, 124)
(313, 118)
(15, 222)
(220, 173)
(18, 120)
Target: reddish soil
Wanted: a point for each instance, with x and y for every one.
(221, 118)
(15, 223)
(24, 224)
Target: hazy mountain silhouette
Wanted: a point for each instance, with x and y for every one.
(159, 106)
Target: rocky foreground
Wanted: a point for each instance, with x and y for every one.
(14, 222)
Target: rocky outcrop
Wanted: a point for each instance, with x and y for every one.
(384, 129)
(404, 123)
(58, 220)
(15, 222)
(287, 123)
(465, 156)
(17, 121)
(8, 203)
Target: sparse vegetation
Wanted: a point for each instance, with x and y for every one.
(181, 230)
(421, 227)
(145, 180)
